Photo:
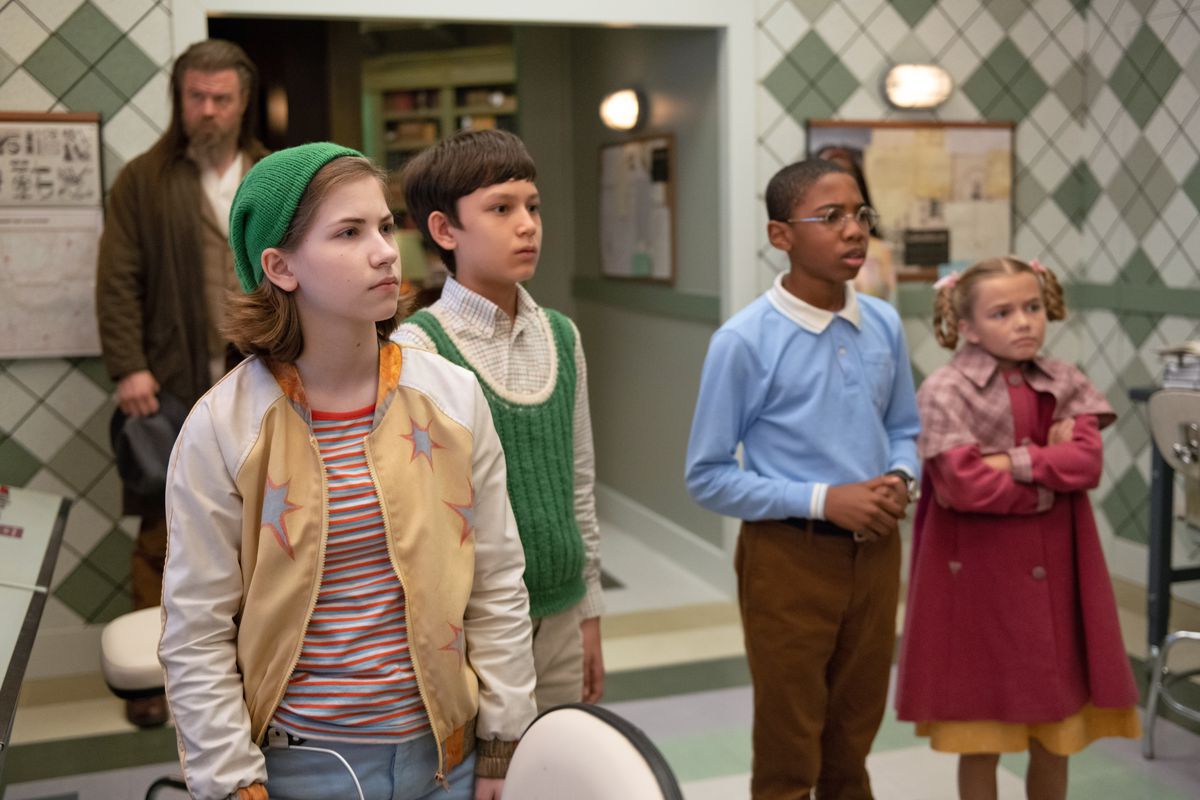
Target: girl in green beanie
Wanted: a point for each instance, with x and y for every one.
(343, 609)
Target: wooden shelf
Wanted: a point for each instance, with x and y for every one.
(447, 77)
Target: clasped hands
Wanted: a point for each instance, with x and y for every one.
(872, 508)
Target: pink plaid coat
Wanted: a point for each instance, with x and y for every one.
(1010, 613)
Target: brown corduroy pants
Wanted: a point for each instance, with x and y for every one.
(149, 554)
(819, 618)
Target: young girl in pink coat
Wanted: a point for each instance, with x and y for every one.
(1011, 639)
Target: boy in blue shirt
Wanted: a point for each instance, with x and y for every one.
(812, 380)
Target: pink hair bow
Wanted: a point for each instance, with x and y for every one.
(1036, 266)
(947, 281)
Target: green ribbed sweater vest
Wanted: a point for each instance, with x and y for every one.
(539, 449)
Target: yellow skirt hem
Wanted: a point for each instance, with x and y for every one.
(1064, 737)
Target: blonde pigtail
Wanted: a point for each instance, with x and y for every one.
(1056, 306)
(945, 318)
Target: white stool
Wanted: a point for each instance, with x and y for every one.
(129, 654)
(129, 661)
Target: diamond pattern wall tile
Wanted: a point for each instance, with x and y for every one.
(913, 10)
(85, 591)
(55, 66)
(93, 369)
(17, 465)
(1005, 86)
(1077, 194)
(42, 432)
(836, 27)
(76, 397)
(935, 29)
(125, 13)
(784, 27)
(89, 32)
(18, 401)
(1006, 12)
(105, 493)
(52, 13)
(79, 463)
(811, 82)
(1140, 271)
(96, 427)
(812, 9)
(119, 602)
(126, 67)
(112, 555)
(153, 35)
(40, 375)
(1139, 327)
(93, 93)
(1144, 75)
(7, 66)
(1191, 186)
(86, 527)
(1125, 506)
(20, 33)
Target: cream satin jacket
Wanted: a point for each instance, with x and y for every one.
(247, 520)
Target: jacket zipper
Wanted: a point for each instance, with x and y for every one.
(440, 775)
(316, 590)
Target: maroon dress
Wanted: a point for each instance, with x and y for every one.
(1010, 614)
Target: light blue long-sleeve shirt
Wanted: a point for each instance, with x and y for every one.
(815, 398)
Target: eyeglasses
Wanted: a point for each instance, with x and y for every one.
(866, 217)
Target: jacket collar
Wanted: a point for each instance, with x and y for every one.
(288, 377)
(978, 365)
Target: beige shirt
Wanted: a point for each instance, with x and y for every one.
(219, 275)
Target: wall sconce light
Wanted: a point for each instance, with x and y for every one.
(624, 109)
(917, 86)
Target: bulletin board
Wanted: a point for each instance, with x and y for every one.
(51, 217)
(637, 209)
(943, 190)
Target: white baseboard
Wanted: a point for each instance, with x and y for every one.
(706, 561)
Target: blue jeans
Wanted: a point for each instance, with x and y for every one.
(386, 772)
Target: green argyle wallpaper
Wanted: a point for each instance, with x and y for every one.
(1105, 96)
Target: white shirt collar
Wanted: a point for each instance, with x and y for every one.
(808, 316)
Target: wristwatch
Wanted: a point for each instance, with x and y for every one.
(910, 483)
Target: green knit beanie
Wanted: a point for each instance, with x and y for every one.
(266, 202)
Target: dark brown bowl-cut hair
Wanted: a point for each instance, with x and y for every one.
(266, 322)
(436, 178)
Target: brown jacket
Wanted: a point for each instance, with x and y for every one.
(150, 273)
(150, 299)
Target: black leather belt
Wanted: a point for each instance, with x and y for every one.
(821, 526)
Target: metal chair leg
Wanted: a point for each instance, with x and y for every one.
(1157, 673)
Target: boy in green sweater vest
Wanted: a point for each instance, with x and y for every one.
(473, 197)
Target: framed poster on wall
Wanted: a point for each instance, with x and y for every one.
(51, 216)
(637, 209)
(943, 190)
